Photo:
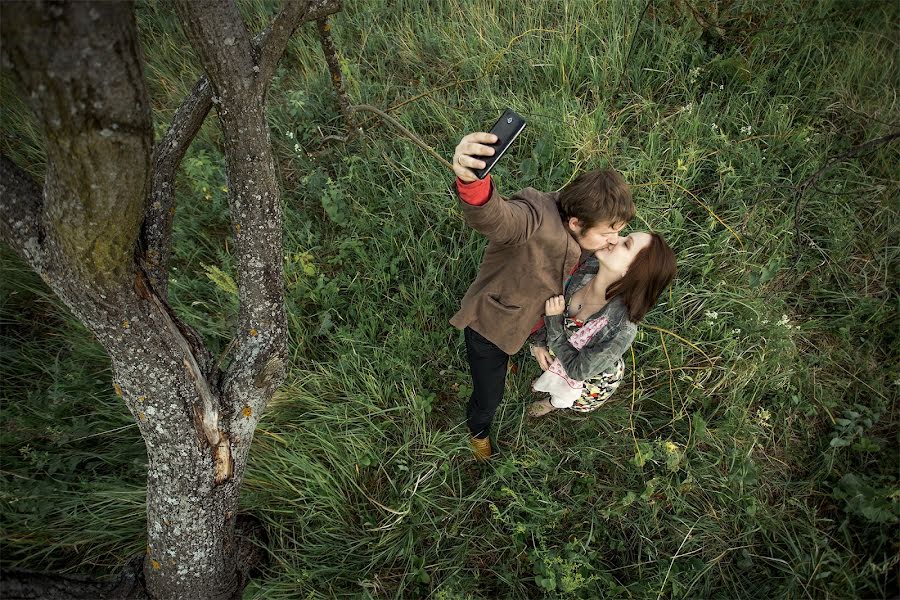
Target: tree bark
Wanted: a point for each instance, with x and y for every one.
(81, 232)
(31, 585)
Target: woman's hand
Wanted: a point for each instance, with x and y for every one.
(542, 356)
(555, 306)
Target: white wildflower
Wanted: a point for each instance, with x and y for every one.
(694, 74)
(290, 134)
(712, 315)
(688, 108)
(746, 130)
(714, 127)
(735, 331)
(786, 322)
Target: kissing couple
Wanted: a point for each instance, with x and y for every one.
(556, 273)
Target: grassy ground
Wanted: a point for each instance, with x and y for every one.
(752, 452)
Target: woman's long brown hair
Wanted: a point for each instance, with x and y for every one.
(650, 272)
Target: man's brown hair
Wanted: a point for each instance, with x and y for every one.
(599, 196)
(651, 270)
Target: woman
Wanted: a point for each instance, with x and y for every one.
(589, 328)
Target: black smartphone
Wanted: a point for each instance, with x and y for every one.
(507, 129)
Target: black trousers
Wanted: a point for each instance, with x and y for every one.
(488, 365)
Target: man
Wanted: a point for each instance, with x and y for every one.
(535, 241)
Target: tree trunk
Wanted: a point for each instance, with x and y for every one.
(190, 552)
(81, 234)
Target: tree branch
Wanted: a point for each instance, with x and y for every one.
(269, 45)
(334, 67)
(254, 202)
(156, 229)
(276, 36)
(219, 35)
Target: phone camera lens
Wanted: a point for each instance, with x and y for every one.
(509, 119)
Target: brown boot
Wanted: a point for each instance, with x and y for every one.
(481, 447)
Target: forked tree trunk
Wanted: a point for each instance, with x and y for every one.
(103, 248)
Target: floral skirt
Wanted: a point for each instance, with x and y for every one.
(597, 390)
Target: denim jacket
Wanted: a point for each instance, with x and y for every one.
(605, 348)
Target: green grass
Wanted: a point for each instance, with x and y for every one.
(752, 452)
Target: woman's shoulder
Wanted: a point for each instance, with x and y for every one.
(617, 316)
(615, 332)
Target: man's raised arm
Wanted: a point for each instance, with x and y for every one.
(501, 221)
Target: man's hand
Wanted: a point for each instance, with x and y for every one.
(555, 306)
(542, 356)
(470, 147)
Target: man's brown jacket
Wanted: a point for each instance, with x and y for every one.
(529, 255)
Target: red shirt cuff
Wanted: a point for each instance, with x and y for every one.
(476, 193)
